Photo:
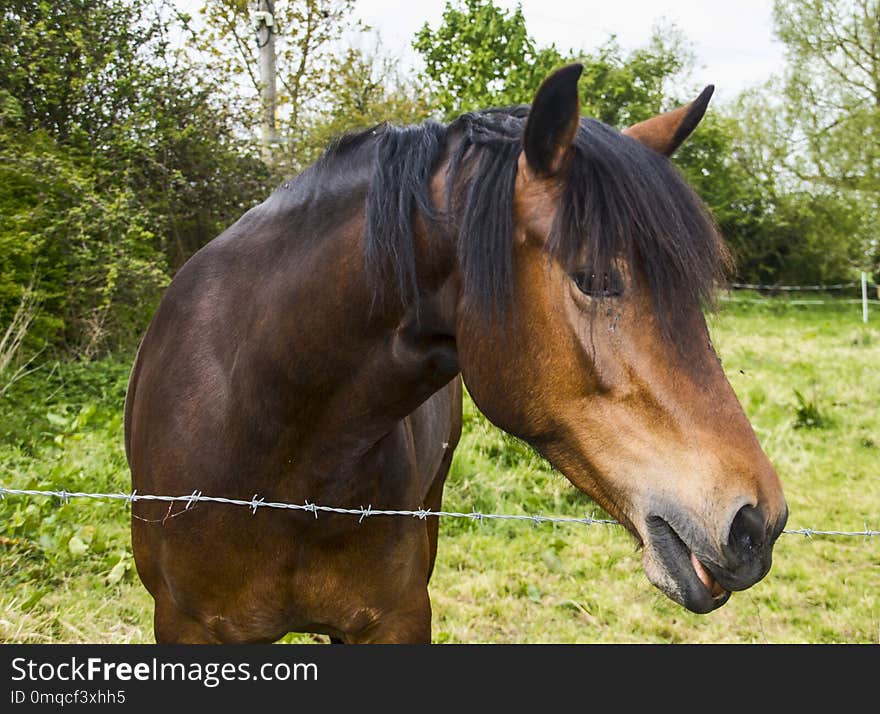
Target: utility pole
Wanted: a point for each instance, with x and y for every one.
(265, 27)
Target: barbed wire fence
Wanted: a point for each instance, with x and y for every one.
(863, 300)
(255, 503)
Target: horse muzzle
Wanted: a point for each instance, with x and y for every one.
(689, 568)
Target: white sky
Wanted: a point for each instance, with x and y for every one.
(733, 40)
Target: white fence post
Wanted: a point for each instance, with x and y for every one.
(864, 297)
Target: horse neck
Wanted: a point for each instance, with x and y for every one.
(354, 364)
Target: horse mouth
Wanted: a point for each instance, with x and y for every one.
(673, 567)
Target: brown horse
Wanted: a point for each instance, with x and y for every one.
(313, 351)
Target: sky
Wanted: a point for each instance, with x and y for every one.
(733, 41)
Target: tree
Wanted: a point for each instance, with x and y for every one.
(307, 33)
(67, 64)
(623, 89)
(482, 56)
(71, 239)
(832, 112)
(365, 89)
(833, 88)
(118, 159)
(780, 230)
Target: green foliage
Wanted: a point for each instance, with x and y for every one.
(777, 234)
(84, 247)
(623, 89)
(67, 64)
(807, 413)
(68, 419)
(482, 56)
(830, 121)
(780, 230)
(118, 161)
(832, 88)
(365, 89)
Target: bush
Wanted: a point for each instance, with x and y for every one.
(118, 160)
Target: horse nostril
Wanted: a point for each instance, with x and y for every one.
(748, 531)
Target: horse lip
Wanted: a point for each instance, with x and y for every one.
(675, 556)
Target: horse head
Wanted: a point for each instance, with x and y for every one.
(593, 346)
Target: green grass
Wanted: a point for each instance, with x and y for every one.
(808, 377)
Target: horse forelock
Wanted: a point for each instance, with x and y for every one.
(619, 200)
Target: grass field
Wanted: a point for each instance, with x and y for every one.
(808, 377)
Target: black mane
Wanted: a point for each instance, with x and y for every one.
(620, 200)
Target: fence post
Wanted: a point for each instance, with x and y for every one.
(864, 297)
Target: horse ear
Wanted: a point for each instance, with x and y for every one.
(666, 132)
(553, 121)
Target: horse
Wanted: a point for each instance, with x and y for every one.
(317, 349)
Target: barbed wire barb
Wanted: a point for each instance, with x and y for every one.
(194, 498)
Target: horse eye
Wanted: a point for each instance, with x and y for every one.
(604, 285)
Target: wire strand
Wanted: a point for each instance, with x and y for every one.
(256, 503)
